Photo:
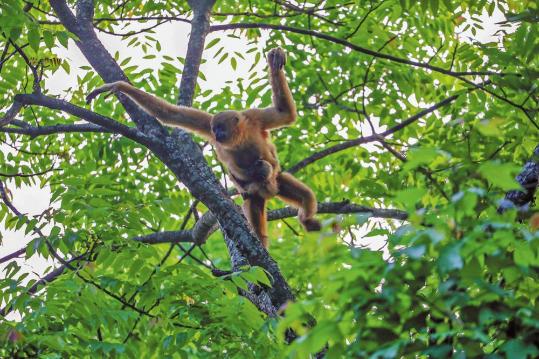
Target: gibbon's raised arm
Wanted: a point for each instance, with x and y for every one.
(283, 112)
(171, 115)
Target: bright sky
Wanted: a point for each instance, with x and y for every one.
(173, 38)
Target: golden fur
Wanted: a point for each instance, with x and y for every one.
(242, 142)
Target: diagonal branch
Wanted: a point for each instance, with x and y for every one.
(243, 248)
(96, 119)
(366, 139)
(98, 57)
(10, 114)
(13, 255)
(400, 60)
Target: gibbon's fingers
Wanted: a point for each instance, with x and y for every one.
(276, 58)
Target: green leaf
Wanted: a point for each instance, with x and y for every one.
(212, 43)
(450, 258)
(516, 348)
(34, 37)
(500, 174)
(524, 255)
(491, 127)
(410, 196)
(48, 37)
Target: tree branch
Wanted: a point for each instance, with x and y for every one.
(200, 26)
(13, 255)
(351, 46)
(243, 246)
(20, 174)
(33, 131)
(10, 114)
(100, 59)
(102, 121)
(207, 224)
(362, 140)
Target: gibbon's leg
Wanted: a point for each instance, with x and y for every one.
(299, 195)
(254, 208)
(168, 114)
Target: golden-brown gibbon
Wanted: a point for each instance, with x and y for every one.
(242, 142)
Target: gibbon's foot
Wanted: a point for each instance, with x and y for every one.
(312, 225)
(105, 88)
(276, 58)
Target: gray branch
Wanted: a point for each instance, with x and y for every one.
(200, 25)
(362, 140)
(10, 114)
(34, 131)
(207, 224)
(96, 119)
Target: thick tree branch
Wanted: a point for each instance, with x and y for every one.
(200, 26)
(243, 246)
(100, 59)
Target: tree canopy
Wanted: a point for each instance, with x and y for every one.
(412, 131)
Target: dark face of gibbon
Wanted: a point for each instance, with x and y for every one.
(224, 126)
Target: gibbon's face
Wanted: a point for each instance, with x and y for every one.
(224, 126)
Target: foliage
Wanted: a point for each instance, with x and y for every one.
(456, 279)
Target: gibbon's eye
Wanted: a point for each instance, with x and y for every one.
(236, 119)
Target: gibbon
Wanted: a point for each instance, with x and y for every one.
(242, 142)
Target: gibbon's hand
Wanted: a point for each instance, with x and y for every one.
(276, 58)
(110, 87)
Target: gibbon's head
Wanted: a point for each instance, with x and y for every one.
(226, 127)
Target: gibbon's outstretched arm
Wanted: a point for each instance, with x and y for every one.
(168, 114)
(283, 112)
